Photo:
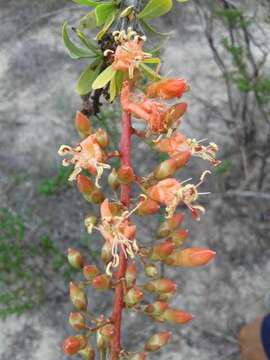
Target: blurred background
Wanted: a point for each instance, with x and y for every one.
(222, 49)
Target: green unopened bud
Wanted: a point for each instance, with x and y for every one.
(179, 236)
(162, 251)
(77, 297)
(137, 356)
(151, 270)
(82, 125)
(133, 297)
(106, 253)
(89, 222)
(169, 225)
(131, 273)
(90, 271)
(160, 286)
(75, 258)
(156, 308)
(165, 169)
(125, 175)
(113, 180)
(76, 321)
(107, 331)
(101, 282)
(147, 207)
(102, 138)
(157, 341)
(87, 354)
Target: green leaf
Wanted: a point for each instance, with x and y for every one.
(87, 42)
(87, 3)
(86, 79)
(88, 21)
(103, 11)
(150, 72)
(112, 89)
(150, 29)
(103, 78)
(75, 52)
(106, 27)
(182, 1)
(155, 8)
(151, 61)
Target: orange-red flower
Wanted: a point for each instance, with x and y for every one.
(129, 55)
(88, 155)
(172, 193)
(178, 144)
(117, 230)
(167, 88)
(158, 116)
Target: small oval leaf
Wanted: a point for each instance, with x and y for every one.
(87, 3)
(103, 78)
(103, 11)
(155, 8)
(86, 79)
(75, 52)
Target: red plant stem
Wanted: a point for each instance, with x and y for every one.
(125, 149)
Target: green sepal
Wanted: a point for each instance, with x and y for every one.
(155, 8)
(103, 12)
(75, 52)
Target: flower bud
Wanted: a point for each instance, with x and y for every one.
(148, 207)
(85, 185)
(181, 158)
(157, 341)
(101, 282)
(160, 286)
(106, 253)
(179, 236)
(165, 169)
(190, 257)
(137, 356)
(75, 259)
(125, 174)
(82, 125)
(166, 296)
(76, 321)
(162, 251)
(175, 316)
(169, 225)
(77, 297)
(133, 297)
(73, 344)
(90, 271)
(175, 112)
(113, 180)
(88, 353)
(130, 275)
(151, 270)
(156, 308)
(89, 222)
(102, 138)
(96, 197)
(107, 331)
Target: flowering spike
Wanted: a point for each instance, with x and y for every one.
(169, 225)
(156, 341)
(190, 257)
(167, 88)
(75, 258)
(160, 286)
(90, 271)
(101, 282)
(73, 344)
(76, 321)
(133, 297)
(77, 297)
(175, 316)
(162, 251)
(82, 125)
